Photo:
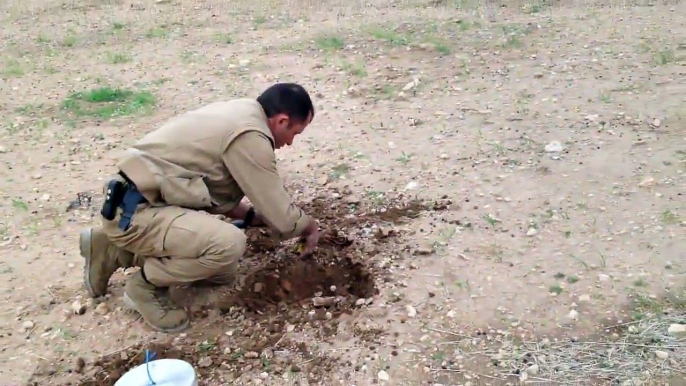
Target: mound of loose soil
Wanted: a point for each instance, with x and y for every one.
(247, 328)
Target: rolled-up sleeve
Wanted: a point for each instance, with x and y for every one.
(251, 162)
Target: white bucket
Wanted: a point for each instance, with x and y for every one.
(164, 372)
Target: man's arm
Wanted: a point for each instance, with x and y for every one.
(251, 162)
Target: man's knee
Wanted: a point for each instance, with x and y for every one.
(196, 235)
(226, 243)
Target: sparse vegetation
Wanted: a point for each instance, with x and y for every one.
(106, 102)
(545, 141)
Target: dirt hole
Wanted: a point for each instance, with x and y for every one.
(325, 279)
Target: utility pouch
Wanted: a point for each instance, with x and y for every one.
(113, 199)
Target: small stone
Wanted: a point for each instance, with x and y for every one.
(553, 147)
(677, 329)
(257, 287)
(323, 302)
(648, 181)
(383, 376)
(657, 122)
(425, 251)
(412, 185)
(360, 302)
(205, 362)
(252, 355)
(661, 354)
(102, 309)
(585, 298)
(411, 311)
(79, 365)
(27, 325)
(451, 314)
(573, 314)
(531, 232)
(78, 308)
(45, 197)
(603, 277)
(3, 149)
(532, 370)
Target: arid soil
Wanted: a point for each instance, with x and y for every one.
(502, 187)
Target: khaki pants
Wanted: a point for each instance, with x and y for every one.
(177, 245)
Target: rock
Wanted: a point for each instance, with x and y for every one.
(45, 197)
(27, 325)
(102, 309)
(412, 185)
(351, 199)
(603, 277)
(648, 181)
(425, 251)
(553, 147)
(323, 301)
(257, 287)
(661, 354)
(585, 298)
(411, 85)
(78, 308)
(360, 302)
(252, 355)
(532, 370)
(3, 149)
(411, 311)
(79, 365)
(323, 179)
(573, 315)
(677, 329)
(531, 232)
(205, 362)
(657, 122)
(383, 376)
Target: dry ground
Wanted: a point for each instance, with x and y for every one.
(558, 132)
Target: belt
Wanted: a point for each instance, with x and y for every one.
(124, 195)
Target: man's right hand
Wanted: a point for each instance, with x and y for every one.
(310, 238)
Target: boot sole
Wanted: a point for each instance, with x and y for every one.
(85, 247)
(132, 305)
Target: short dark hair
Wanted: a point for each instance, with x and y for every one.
(287, 98)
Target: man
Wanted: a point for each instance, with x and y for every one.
(204, 160)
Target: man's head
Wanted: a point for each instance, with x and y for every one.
(289, 110)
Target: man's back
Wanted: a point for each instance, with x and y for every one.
(183, 158)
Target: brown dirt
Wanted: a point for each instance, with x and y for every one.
(431, 98)
(280, 293)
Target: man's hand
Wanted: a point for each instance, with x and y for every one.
(241, 210)
(310, 238)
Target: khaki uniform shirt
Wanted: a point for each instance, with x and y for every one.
(210, 159)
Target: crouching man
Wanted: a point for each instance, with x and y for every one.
(207, 160)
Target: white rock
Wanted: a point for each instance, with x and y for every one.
(677, 329)
(603, 277)
(411, 185)
(553, 147)
(585, 298)
(573, 314)
(383, 376)
(661, 354)
(533, 369)
(411, 311)
(451, 314)
(531, 232)
(27, 325)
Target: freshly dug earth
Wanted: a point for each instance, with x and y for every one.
(248, 329)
